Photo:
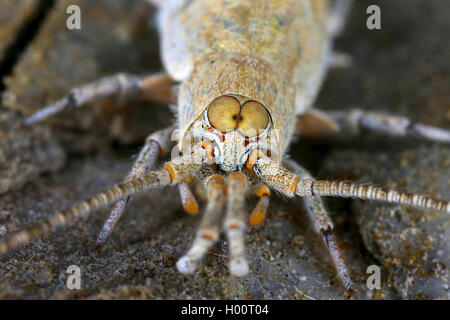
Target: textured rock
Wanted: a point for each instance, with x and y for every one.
(410, 244)
(114, 37)
(59, 59)
(25, 153)
(403, 71)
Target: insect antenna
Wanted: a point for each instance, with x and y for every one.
(173, 172)
(290, 184)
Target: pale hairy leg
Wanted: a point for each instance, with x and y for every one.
(209, 230)
(355, 120)
(259, 212)
(155, 144)
(235, 223)
(321, 123)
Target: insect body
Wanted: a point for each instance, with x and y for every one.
(273, 52)
(249, 72)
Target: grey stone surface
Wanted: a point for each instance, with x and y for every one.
(403, 69)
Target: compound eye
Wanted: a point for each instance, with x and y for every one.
(254, 118)
(223, 113)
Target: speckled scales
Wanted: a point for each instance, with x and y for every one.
(271, 51)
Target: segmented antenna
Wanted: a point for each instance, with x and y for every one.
(368, 192)
(290, 185)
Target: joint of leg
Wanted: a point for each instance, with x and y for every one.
(214, 180)
(234, 224)
(261, 190)
(72, 98)
(304, 188)
(190, 204)
(251, 176)
(238, 176)
(162, 139)
(208, 146)
(189, 179)
(126, 82)
(209, 234)
(171, 172)
(327, 235)
(251, 161)
(158, 144)
(259, 213)
(353, 120)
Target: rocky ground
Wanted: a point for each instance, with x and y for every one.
(403, 69)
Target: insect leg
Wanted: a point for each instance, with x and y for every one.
(323, 226)
(156, 87)
(209, 230)
(288, 183)
(155, 144)
(355, 120)
(235, 222)
(188, 200)
(259, 212)
(173, 172)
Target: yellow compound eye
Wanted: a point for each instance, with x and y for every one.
(254, 118)
(223, 113)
